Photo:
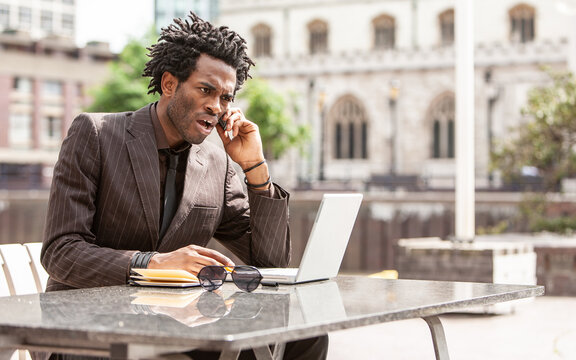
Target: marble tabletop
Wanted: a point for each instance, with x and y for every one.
(180, 319)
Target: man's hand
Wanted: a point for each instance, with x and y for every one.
(245, 146)
(191, 258)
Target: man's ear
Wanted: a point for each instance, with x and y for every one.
(169, 84)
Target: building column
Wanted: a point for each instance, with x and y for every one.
(70, 103)
(465, 227)
(36, 122)
(5, 90)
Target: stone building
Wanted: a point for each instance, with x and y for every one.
(375, 81)
(44, 83)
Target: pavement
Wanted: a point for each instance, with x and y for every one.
(543, 328)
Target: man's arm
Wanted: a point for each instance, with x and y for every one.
(254, 226)
(69, 253)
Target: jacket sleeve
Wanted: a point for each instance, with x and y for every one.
(69, 253)
(254, 226)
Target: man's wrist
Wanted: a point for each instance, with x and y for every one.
(252, 167)
(141, 259)
(258, 178)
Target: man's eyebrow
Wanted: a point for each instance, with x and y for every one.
(208, 85)
(212, 87)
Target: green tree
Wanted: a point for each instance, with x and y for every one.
(125, 89)
(548, 140)
(267, 109)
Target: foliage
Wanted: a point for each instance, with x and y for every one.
(563, 225)
(498, 228)
(548, 140)
(126, 89)
(535, 212)
(267, 109)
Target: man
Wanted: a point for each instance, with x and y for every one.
(110, 206)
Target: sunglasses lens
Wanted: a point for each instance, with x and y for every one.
(246, 278)
(211, 277)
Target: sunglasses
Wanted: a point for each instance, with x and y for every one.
(245, 277)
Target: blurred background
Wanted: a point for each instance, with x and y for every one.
(349, 95)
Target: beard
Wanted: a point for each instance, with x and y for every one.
(182, 120)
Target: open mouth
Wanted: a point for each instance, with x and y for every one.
(206, 124)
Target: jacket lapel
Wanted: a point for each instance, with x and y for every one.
(143, 154)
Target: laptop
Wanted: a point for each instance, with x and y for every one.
(326, 244)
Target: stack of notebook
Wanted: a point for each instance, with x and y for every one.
(163, 277)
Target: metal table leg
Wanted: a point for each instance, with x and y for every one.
(264, 352)
(438, 337)
(229, 355)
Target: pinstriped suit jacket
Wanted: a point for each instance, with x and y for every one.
(105, 204)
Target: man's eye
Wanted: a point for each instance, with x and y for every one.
(205, 90)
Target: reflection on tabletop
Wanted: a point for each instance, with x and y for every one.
(305, 303)
(196, 307)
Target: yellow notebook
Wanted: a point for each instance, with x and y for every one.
(164, 277)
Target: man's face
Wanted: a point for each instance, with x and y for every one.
(198, 102)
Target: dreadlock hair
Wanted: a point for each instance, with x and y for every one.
(180, 45)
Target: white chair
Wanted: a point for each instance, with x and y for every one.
(4, 288)
(16, 278)
(40, 273)
(18, 268)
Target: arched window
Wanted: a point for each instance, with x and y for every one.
(384, 32)
(442, 116)
(350, 129)
(446, 20)
(262, 40)
(318, 42)
(522, 23)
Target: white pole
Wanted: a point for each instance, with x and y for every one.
(572, 45)
(465, 187)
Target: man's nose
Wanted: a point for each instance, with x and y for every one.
(214, 107)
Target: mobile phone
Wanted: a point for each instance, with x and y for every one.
(222, 122)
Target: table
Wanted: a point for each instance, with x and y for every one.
(126, 322)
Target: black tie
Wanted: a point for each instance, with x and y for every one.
(170, 203)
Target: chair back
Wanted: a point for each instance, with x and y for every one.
(18, 269)
(40, 273)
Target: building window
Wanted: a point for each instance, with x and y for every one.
(384, 32)
(443, 128)
(52, 88)
(350, 130)
(262, 40)
(46, 21)
(4, 16)
(79, 90)
(446, 20)
(522, 23)
(318, 42)
(51, 131)
(20, 134)
(22, 85)
(25, 17)
(68, 22)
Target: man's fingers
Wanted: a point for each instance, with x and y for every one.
(213, 257)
